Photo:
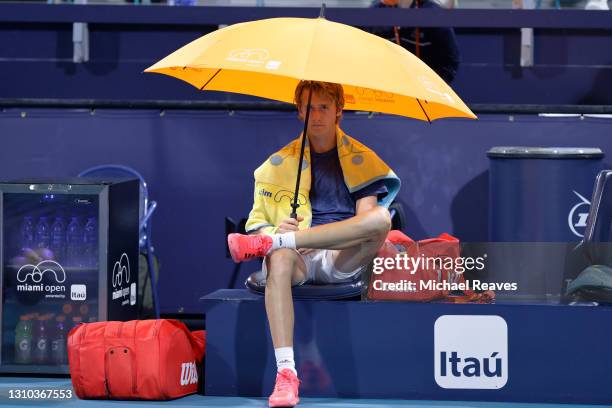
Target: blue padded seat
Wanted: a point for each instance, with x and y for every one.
(256, 283)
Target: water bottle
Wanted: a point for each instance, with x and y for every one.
(74, 240)
(76, 320)
(58, 238)
(27, 233)
(90, 241)
(43, 233)
(23, 340)
(41, 341)
(83, 311)
(58, 344)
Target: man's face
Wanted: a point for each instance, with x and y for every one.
(323, 114)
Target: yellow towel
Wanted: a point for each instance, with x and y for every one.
(275, 181)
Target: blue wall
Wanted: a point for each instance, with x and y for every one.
(199, 164)
(571, 66)
(199, 167)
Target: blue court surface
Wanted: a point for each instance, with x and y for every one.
(10, 385)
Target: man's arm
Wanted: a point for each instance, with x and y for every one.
(365, 204)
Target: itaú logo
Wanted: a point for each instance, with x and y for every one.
(457, 366)
(189, 373)
(471, 352)
(577, 217)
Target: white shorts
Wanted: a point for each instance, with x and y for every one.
(320, 269)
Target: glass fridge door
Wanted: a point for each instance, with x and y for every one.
(50, 275)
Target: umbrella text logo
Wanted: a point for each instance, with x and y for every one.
(433, 88)
(273, 65)
(249, 56)
(367, 95)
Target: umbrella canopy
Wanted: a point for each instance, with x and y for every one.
(267, 58)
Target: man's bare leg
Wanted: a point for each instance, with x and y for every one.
(285, 267)
(363, 229)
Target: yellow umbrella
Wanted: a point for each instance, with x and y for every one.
(267, 58)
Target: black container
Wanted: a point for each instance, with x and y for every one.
(68, 254)
(539, 202)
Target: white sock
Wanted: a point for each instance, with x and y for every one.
(286, 240)
(284, 359)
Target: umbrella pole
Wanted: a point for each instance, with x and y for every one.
(295, 204)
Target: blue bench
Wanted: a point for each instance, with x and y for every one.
(353, 349)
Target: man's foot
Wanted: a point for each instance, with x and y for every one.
(285, 392)
(247, 247)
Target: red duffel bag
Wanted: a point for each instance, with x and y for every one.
(428, 281)
(410, 281)
(139, 359)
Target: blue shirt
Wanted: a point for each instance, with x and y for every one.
(330, 199)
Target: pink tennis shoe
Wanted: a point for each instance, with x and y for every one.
(285, 392)
(247, 247)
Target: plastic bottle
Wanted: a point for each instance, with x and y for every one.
(90, 242)
(83, 310)
(27, 232)
(23, 340)
(76, 320)
(40, 349)
(58, 238)
(43, 233)
(67, 309)
(58, 344)
(74, 240)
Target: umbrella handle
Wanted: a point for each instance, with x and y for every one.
(295, 204)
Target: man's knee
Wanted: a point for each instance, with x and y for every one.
(378, 222)
(281, 263)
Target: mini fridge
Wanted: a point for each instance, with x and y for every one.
(68, 255)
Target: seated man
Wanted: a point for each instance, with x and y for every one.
(339, 228)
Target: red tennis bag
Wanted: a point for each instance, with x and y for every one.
(418, 283)
(139, 359)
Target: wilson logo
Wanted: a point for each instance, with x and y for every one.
(189, 373)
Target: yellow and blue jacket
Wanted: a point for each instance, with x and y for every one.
(275, 181)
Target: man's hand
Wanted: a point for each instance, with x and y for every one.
(289, 225)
